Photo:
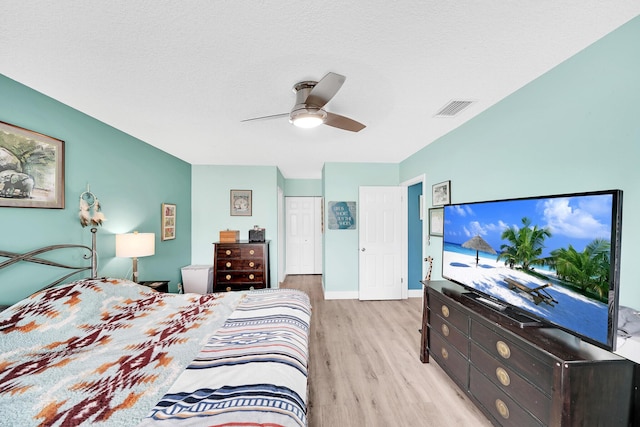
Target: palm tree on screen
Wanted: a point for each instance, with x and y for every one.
(588, 270)
(525, 245)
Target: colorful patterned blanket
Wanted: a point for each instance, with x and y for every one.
(103, 351)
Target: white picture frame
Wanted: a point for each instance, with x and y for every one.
(436, 222)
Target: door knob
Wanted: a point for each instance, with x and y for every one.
(363, 249)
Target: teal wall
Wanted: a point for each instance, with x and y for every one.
(303, 188)
(131, 178)
(211, 186)
(340, 247)
(574, 129)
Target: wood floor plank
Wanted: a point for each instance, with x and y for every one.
(365, 370)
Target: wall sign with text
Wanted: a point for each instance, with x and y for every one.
(342, 216)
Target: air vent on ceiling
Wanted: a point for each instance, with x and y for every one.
(452, 108)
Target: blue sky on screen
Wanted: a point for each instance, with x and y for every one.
(575, 220)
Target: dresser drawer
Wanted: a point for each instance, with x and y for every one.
(239, 251)
(239, 264)
(530, 363)
(495, 401)
(511, 383)
(252, 251)
(451, 334)
(228, 251)
(222, 278)
(239, 287)
(449, 359)
(449, 312)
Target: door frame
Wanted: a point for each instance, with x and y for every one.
(317, 202)
(281, 237)
(414, 293)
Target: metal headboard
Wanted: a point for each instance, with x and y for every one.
(32, 256)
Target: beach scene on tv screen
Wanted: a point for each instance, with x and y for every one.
(548, 256)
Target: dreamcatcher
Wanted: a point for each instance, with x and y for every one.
(89, 204)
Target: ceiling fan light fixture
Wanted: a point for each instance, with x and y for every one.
(307, 118)
(311, 97)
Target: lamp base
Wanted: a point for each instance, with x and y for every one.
(135, 270)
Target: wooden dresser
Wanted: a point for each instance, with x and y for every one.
(522, 376)
(240, 266)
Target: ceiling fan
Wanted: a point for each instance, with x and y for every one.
(311, 97)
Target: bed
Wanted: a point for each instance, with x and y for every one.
(108, 351)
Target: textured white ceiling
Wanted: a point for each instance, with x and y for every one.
(181, 75)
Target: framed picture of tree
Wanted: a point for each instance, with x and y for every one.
(31, 169)
(241, 203)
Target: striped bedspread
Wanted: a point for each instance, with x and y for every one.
(251, 372)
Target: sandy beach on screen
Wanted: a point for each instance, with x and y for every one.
(488, 277)
(573, 311)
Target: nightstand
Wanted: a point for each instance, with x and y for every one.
(158, 285)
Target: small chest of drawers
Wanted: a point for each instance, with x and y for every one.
(240, 266)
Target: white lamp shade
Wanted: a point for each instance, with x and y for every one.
(136, 244)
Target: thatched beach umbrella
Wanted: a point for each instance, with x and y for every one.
(479, 244)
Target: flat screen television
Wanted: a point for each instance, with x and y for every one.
(554, 259)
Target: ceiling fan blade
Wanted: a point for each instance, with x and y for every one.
(325, 89)
(273, 116)
(342, 122)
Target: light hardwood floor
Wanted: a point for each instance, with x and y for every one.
(365, 369)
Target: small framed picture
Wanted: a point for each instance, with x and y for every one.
(168, 221)
(441, 194)
(342, 216)
(241, 204)
(436, 221)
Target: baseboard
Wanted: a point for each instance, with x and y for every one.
(414, 293)
(341, 295)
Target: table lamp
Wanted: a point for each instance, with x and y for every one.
(134, 245)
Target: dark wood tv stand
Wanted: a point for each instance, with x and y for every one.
(522, 376)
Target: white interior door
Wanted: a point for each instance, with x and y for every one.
(317, 236)
(380, 242)
(303, 228)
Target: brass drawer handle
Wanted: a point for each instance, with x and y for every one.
(228, 277)
(228, 288)
(445, 353)
(503, 349)
(228, 252)
(502, 408)
(503, 376)
(251, 276)
(445, 330)
(228, 264)
(445, 311)
(252, 252)
(252, 264)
